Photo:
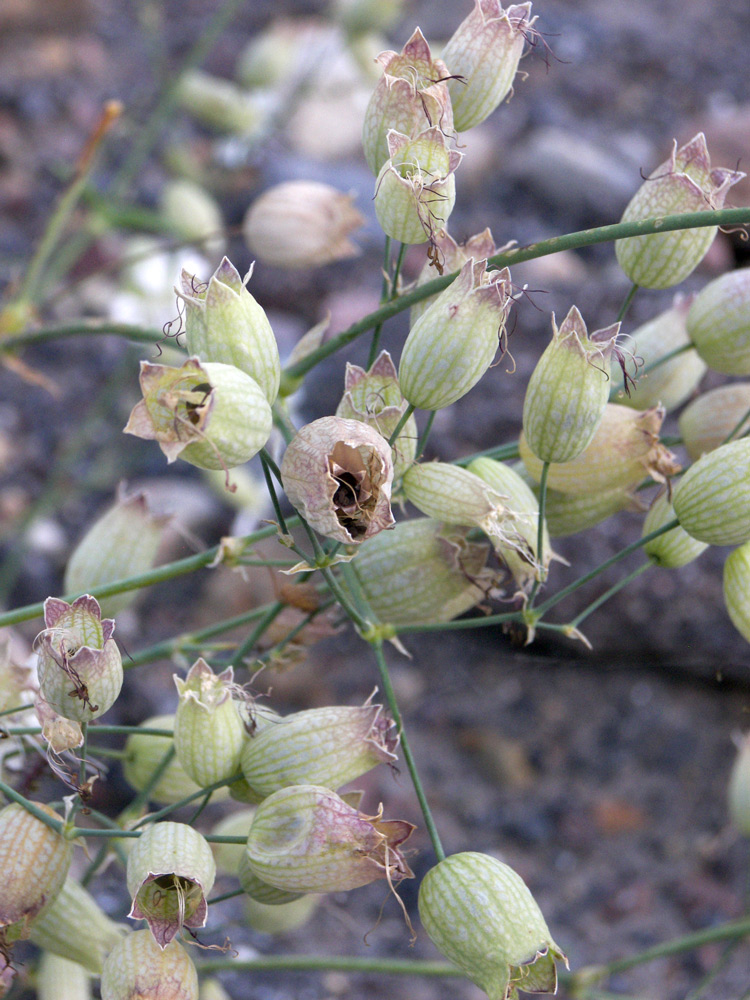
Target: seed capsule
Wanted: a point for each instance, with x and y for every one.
(79, 664)
(671, 383)
(739, 787)
(480, 914)
(737, 588)
(60, 978)
(416, 187)
(683, 183)
(171, 870)
(209, 728)
(121, 543)
(715, 417)
(569, 513)
(719, 323)
(568, 390)
(410, 97)
(209, 414)
(138, 968)
(446, 256)
(338, 473)
(324, 746)
(306, 839)
(453, 343)
(712, 500)
(483, 55)
(674, 548)
(624, 450)
(75, 927)
(422, 571)
(34, 861)
(144, 754)
(224, 323)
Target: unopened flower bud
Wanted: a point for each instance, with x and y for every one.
(715, 417)
(121, 543)
(305, 838)
(224, 323)
(60, 978)
(302, 224)
(138, 967)
(568, 390)
(416, 187)
(483, 55)
(171, 870)
(447, 256)
(75, 927)
(737, 588)
(712, 499)
(79, 664)
(739, 787)
(34, 861)
(480, 914)
(144, 753)
(209, 728)
(374, 397)
(683, 183)
(422, 571)
(520, 554)
(674, 548)
(322, 746)
(624, 450)
(453, 343)
(192, 213)
(209, 414)
(410, 97)
(719, 323)
(670, 383)
(338, 473)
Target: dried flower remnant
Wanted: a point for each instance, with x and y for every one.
(375, 398)
(416, 187)
(410, 97)
(305, 838)
(445, 256)
(483, 56)
(171, 870)
(683, 183)
(302, 224)
(338, 473)
(79, 664)
(209, 414)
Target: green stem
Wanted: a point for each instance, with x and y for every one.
(173, 806)
(168, 571)
(246, 647)
(570, 241)
(501, 453)
(400, 425)
(540, 533)
(385, 294)
(320, 963)
(138, 334)
(144, 794)
(267, 462)
(226, 895)
(390, 695)
(84, 753)
(626, 304)
(736, 427)
(620, 585)
(422, 442)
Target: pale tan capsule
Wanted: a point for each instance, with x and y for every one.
(75, 927)
(674, 548)
(710, 419)
(739, 787)
(171, 871)
(34, 862)
(60, 978)
(737, 588)
(624, 450)
(209, 728)
(568, 513)
(138, 969)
